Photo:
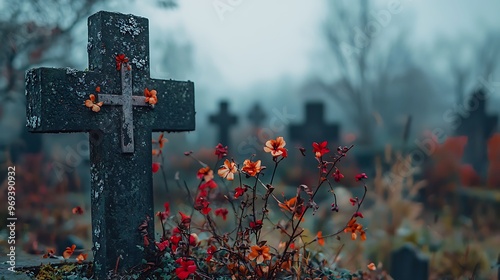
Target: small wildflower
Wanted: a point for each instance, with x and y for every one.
(353, 201)
(185, 219)
(252, 168)
(204, 171)
(95, 106)
(260, 253)
(151, 97)
(80, 258)
(319, 237)
(162, 245)
(360, 177)
(227, 170)
(50, 253)
(164, 214)
(335, 207)
(372, 266)
(256, 225)
(187, 267)
(276, 147)
(220, 151)
(353, 227)
(337, 175)
(320, 149)
(358, 214)
(78, 210)
(69, 251)
(155, 167)
(210, 252)
(221, 212)
(239, 191)
(120, 59)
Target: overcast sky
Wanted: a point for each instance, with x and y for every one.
(260, 40)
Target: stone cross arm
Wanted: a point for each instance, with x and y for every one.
(57, 97)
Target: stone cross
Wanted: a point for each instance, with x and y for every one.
(120, 133)
(256, 115)
(224, 120)
(478, 126)
(315, 129)
(408, 263)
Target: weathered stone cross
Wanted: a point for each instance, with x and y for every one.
(224, 120)
(315, 129)
(120, 133)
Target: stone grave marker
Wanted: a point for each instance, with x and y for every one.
(478, 126)
(315, 129)
(120, 133)
(224, 120)
(409, 264)
(256, 116)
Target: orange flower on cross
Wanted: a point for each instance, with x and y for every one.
(95, 106)
(151, 97)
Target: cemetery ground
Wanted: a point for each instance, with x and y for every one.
(237, 219)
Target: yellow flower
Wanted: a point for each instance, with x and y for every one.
(260, 253)
(227, 170)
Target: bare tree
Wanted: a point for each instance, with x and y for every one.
(363, 65)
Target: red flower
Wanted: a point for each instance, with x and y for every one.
(220, 151)
(210, 184)
(187, 267)
(121, 58)
(358, 214)
(256, 225)
(210, 251)
(163, 215)
(193, 239)
(361, 177)
(221, 212)
(239, 191)
(201, 204)
(353, 201)
(155, 167)
(337, 175)
(320, 149)
(185, 219)
(77, 210)
(162, 245)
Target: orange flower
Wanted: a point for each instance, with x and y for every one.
(260, 253)
(320, 239)
(372, 266)
(80, 258)
(151, 97)
(252, 168)
(69, 251)
(294, 205)
(227, 170)
(90, 103)
(276, 147)
(353, 227)
(206, 173)
(49, 253)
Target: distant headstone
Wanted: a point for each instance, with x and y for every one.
(224, 120)
(120, 133)
(315, 129)
(478, 126)
(409, 264)
(257, 115)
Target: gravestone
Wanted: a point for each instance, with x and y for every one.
(409, 264)
(224, 120)
(315, 129)
(256, 116)
(478, 126)
(120, 133)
